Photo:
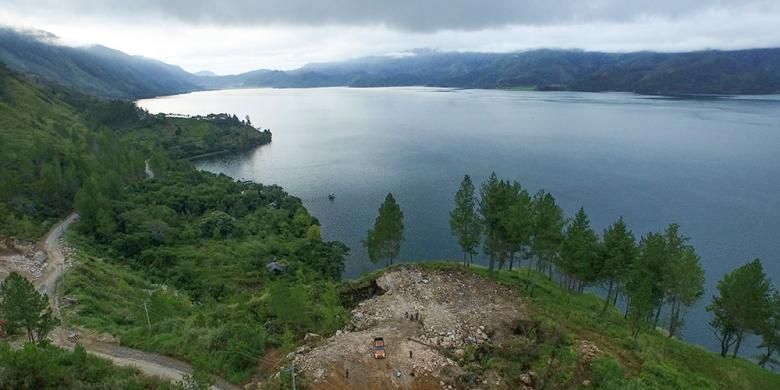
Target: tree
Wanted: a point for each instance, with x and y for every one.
(464, 220)
(490, 210)
(685, 285)
(743, 304)
(384, 240)
(547, 228)
(519, 222)
(579, 251)
(618, 253)
(24, 308)
(644, 288)
(770, 334)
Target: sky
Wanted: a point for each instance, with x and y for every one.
(233, 36)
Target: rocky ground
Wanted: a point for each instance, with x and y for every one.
(26, 258)
(453, 309)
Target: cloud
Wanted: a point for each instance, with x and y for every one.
(405, 15)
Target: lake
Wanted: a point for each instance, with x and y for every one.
(711, 165)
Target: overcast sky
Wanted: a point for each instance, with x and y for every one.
(232, 36)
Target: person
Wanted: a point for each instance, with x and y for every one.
(410, 354)
(406, 315)
(398, 373)
(416, 315)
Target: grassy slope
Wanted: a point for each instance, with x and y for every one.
(651, 361)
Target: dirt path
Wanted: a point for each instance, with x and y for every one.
(148, 363)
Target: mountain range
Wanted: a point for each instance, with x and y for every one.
(110, 73)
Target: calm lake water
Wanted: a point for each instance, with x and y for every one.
(711, 165)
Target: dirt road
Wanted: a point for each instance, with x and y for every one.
(148, 363)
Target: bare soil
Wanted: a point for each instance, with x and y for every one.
(454, 309)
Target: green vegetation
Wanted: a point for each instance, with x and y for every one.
(194, 136)
(661, 272)
(57, 143)
(194, 248)
(743, 304)
(44, 367)
(384, 240)
(464, 220)
(23, 308)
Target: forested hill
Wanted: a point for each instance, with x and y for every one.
(754, 71)
(55, 140)
(95, 70)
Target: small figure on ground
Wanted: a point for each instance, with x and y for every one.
(398, 373)
(410, 354)
(347, 373)
(416, 315)
(406, 315)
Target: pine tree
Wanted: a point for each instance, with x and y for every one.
(618, 254)
(685, 281)
(548, 234)
(384, 240)
(579, 251)
(644, 286)
(519, 223)
(24, 308)
(743, 304)
(770, 334)
(490, 212)
(464, 220)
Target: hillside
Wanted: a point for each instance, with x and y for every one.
(95, 70)
(506, 330)
(705, 72)
(192, 247)
(55, 140)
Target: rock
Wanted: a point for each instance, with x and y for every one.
(312, 338)
(40, 257)
(527, 379)
(586, 382)
(339, 332)
(459, 353)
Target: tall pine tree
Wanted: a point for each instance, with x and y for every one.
(464, 220)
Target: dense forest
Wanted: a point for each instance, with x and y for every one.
(56, 140)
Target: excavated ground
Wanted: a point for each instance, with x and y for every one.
(455, 308)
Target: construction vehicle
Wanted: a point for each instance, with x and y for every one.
(379, 348)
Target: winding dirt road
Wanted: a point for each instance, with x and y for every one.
(149, 363)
